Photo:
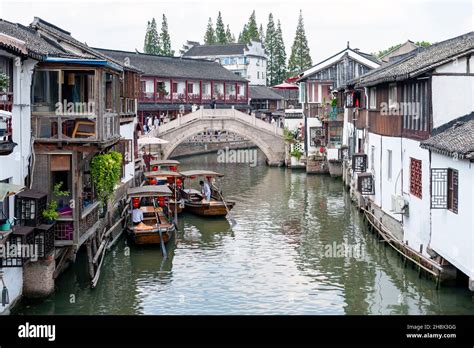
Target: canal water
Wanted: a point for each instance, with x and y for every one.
(299, 247)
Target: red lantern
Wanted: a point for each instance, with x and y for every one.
(136, 202)
(322, 149)
(179, 183)
(155, 168)
(161, 201)
(173, 168)
(152, 181)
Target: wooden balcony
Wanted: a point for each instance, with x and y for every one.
(6, 101)
(389, 125)
(79, 128)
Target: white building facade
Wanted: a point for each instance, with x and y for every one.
(246, 60)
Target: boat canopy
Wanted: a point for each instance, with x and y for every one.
(161, 173)
(191, 173)
(164, 163)
(149, 191)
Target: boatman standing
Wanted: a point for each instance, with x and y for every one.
(205, 190)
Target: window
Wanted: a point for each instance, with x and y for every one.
(444, 189)
(335, 134)
(415, 178)
(206, 87)
(316, 136)
(373, 98)
(392, 96)
(258, 74)
(175, 87)
(389, 165)
(415, 106)
(190, 88)
(45, 90)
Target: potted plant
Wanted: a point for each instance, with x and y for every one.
(51, 212)
(4, 83)
(57, 192)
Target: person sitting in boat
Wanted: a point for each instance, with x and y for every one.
(137, 214)
(205, 190)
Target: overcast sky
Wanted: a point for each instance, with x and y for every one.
(369, 25)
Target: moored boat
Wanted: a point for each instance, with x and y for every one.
(195, 201)
(156, 225)
(173, 180)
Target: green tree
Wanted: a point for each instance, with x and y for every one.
(221, 37)
(280, 56)
(250, 31)
(228, 34)
(165, 39)
(423, 43)
(210, 36)
(300, 58)
(261, 34)
(270, 47)
(152, 39)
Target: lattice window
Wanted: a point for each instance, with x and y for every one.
(365, 184)
(359, 162)
(439, 188)
(415, 178)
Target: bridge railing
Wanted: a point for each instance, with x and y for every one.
(219, 114)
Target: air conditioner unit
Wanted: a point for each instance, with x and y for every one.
(399, 205)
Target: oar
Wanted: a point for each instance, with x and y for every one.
(163, 247)
(229, 216)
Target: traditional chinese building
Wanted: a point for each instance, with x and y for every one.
(396, 108)
(171, 85)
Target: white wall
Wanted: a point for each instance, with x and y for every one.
(452, 235)
(453, 96)
(256, 55)
(126, 132)
(417, 224)
(385, 187)
(15, 166)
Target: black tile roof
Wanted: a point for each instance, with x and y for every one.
(453, 138)
(174, 67)
(38, 47)
(215, 50)
(420, 61)
(263, 92)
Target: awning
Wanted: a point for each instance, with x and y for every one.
(151, 141)
(286, 85)
(84, 61)
(7, 190)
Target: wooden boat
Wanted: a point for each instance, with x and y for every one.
(162, 165)
(194, 200)
(157, 226)
(173, 180)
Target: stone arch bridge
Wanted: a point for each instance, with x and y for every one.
(268, 137)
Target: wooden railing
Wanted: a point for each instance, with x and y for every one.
(75, 128)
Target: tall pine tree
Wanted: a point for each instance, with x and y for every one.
(221, 37)
(300, 58)
(261, 34)
(280, 56)
(250, 31)
(210, 36)
(270, 47)
(228, 34)
(152, 39)
(165, 39)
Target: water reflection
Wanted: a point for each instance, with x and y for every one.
(274, 261)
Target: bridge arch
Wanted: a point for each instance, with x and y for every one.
(265, 136)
